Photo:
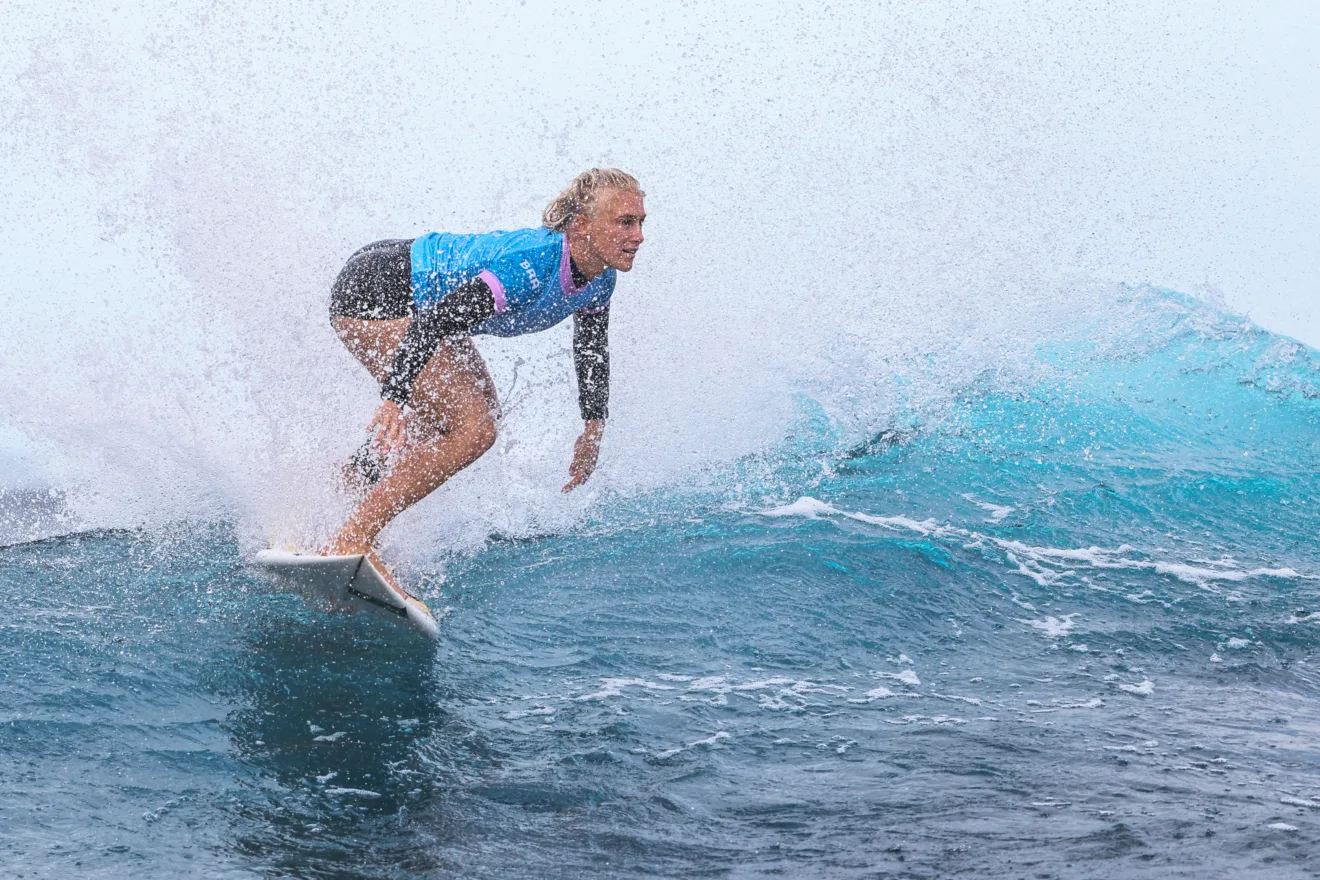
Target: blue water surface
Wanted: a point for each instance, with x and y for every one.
(1068, 631)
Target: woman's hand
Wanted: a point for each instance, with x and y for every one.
(387, 428)
(585, 452)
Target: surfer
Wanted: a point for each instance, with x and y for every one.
(407, 310)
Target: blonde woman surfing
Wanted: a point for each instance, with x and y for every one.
(409, 309)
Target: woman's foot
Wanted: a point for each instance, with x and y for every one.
(339, 547)
(386, 573)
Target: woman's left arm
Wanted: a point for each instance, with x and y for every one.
(591, 361)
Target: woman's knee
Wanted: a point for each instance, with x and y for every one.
(484, 432)
(470, 423)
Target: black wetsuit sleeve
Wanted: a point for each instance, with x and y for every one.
(457, 314)
(591, 359)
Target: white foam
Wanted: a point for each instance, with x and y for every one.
(1054, 627)
(931, 719)
(814, 508)
(331, 737)
(997, 511)
(709, 742)
(874, 694)
(1093, 703)
(772, 693)
(777, 693)
(925, 527)
(1047, 566)
(713, 740)
(767, 683)
(1281, 826)
(794, 697)
(811, 508)
(613, 687)
(1145, 689)
(907, 676)
(354, 792)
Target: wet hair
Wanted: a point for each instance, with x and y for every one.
(580, 196)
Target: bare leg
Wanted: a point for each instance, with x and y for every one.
(451, 425)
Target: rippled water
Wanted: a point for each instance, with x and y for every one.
(1069, 632)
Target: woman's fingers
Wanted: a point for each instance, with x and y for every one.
(387, 427)
(577, 475)
(380, 433)
(393, 434)
(393, 431)
(584, 461)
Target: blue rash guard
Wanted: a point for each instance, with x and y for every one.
(500, 283)
(527, 270)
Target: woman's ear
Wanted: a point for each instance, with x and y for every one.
(577, 226)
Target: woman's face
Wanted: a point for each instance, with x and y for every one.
(613, 229)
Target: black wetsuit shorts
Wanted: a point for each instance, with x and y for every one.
(376, 282)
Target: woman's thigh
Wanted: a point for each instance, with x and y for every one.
(373, 343)
(453, 389)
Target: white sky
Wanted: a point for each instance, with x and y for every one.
(1179, 137)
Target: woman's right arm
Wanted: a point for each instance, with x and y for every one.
(591, 360)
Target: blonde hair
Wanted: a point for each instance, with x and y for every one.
(580, 196)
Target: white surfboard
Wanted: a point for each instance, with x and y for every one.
(347, 582)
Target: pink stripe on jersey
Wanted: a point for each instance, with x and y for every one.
(496, 290)
(566, 271)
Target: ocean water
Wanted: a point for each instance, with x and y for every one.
(953, 517)
(1067, 631)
